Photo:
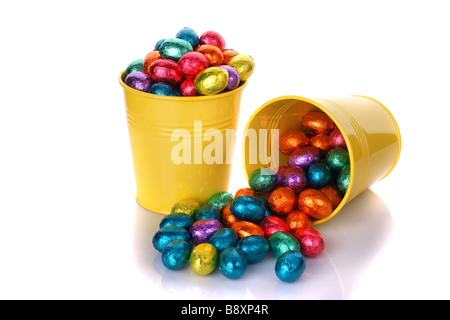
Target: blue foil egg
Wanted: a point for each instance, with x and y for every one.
(320, 175)
(255, 248)
(158, 44)
(290, 266)
(177, 219)
(189, 35)
(208, 211)
(343, 179)
(164, 89)
(248, 208)
(176, 254)
(223, 238)
(167, 234)
(232, 263)
(269, 211)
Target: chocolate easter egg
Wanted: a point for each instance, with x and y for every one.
(211, 81)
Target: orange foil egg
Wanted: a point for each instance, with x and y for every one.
(245, 192)
(212, 53)
(315, 203)
(317, 123)
(333, 194)
(321, 141)
(297, 219)
(283, 200)
(245, 229)
(149, 59)
(292, 140)
(227, 217)
(228, 54)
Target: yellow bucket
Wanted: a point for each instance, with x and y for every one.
(169, 138)
(370, 131)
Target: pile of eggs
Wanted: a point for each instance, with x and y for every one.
(190, 65)
(274, 215)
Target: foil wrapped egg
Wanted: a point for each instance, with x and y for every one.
(337, 139)
(294, 178)
(265, 203)
(187, 88)
(292, 140)
(176, 254)
(167, 234)
(316, 122)
(245, 192)
(343, 179)
(283, 200)
(304, 157)
(333, 194)
(262, 180)
(203, 259)
(223, 238)
(134, 66)
(272, 224)
(164, 89)
(167, 71)
(311, 241)
(207, 211)
(290, 266)
(337, 159)
(211, 81)
(255, 248)
(220, 199)
(246, 228)
(158, 43)
(177, 219)
(228, 54)
(232, 263)
(227, 217)
(243, 64)
(213, 38)
(321, 141)
(149, 59)
(138, 80)
(233, 77)
(192, 63)
(297, 219)
(174, 48)
(202, 230)
(282, 242)
(248, 208)
(189, 35)
(320, 175)
(212, 54)
(315, 203)
(186, 206)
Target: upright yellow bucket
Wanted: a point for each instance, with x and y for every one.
(172, 140)
(370, 131)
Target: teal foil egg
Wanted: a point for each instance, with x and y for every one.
(220, 199)
(164, 89)
(208, 211)
(290, 266)
(134, 66)
(232, 263)
(248, 208)
(189, 35)
(262, 180)
(337, 159)
(255, 248)
(176, 254)
(223, 238)
(177, 219)
(167, 234)
(343, 179)
(174, 48)
(319, 175)
(281, 242)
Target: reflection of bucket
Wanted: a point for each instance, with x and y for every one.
(151, 121)
(370, 131)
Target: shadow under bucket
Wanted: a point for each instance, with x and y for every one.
(170, 137)
(369, 129)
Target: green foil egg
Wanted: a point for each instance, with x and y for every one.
(134, 66)
(221, 199)
(262, 180)
(337, 159)
(203, 259)
(343, 179)
(174, 48)
(211, 81)
(281, 242)
(187, 206)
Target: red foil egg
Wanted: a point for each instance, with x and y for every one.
(187, 88)
(245, 192)
(165, 70)
(333, 194)
(227, 217)
(297, 219)
(245, 229)
(282, 200)
(337, 139)
(272, 224)
(317, 122)
(321, 141)
(228, 54)
(311, 241)
(292, 140)
(315, 203)
(149, 59)
(192, 63)
(213, 38)
(212, 54)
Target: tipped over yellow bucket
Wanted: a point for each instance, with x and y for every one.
(370, 131)
(160, 126)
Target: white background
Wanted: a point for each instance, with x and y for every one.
(69, 224)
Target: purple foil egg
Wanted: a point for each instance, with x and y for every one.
(233, 77)
(295, 178)
(202, 230)
(304, 157)
(138, 80)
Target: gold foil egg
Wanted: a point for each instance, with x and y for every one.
(243, 64)
(211, 81)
